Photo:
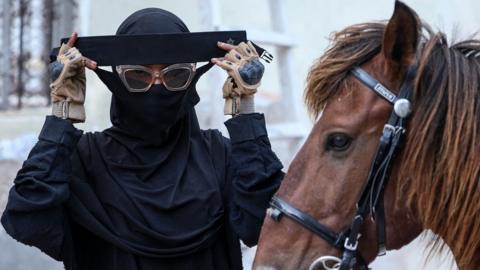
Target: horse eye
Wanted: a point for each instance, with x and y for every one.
(338, 142)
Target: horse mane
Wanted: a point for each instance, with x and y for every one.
(440, 168)
(439, 175)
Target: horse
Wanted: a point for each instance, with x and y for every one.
(394, 151)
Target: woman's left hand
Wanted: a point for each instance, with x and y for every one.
(243, 65)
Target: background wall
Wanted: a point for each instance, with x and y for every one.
(309, 23)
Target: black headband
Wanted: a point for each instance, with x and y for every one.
(157, 48)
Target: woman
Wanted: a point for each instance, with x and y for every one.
(154, 191)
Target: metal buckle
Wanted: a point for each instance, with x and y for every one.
(65, 109)
(394, 130)
(353, 247)
(235, 105)
(267, 56)
(390, 128)
(274, 213)
(382, 250)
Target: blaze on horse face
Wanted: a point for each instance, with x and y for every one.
(328, 174)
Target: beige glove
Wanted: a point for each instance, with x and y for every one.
(68, 86)
(245, 71)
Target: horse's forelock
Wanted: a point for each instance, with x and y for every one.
(350, 47)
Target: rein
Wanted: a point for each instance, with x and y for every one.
(372, 198)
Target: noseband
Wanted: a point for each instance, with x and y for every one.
(372, 198)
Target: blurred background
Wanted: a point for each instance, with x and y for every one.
(296, 32)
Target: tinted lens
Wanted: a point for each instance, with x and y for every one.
(177, 79)
(138, 79)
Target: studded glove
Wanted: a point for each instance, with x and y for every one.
(68, 84)
(245, 73)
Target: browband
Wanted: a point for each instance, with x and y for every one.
(373, 84)
(158, 48)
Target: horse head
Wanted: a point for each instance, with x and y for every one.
(349, 195)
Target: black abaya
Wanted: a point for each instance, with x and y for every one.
(154, 191)
(44, 207)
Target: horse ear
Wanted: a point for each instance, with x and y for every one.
(401, 38)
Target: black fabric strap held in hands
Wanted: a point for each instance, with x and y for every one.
(158, 48)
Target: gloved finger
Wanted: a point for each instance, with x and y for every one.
(224, 64)
(74, 56)
(227, 87)
(230, 89)
(71, 51)
(89, 63)
(225, 46)
(233, 56)
(72, 61)
(63, 50)
(247, 50)
(214, 60)
(242, 49)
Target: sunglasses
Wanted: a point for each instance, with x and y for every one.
(176, 77)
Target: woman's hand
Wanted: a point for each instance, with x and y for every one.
(243, 64)
(68, 81)
(245, 71)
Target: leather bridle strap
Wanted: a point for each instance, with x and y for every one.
(374, 85)
(279, 207)
(310, 223)
(371, 199)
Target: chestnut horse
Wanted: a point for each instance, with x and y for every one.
(333, 195)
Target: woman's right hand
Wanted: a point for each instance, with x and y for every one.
(68, 81)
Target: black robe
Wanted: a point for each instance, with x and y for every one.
(59, 207)
(154, 191)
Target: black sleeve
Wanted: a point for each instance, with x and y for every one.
(34, 214)
(254, 175)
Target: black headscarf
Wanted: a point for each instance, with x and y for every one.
(152, 114)
(148, 184)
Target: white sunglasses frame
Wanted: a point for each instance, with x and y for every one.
(122, 69)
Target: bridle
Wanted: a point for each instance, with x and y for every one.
(372, 198)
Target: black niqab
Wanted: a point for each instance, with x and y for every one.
(150, 115)
(148, 184)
